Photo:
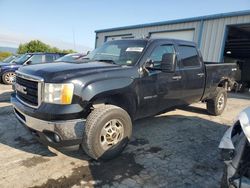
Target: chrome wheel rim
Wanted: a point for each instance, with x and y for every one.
(221, 102)
(111, 134)
(10, 77)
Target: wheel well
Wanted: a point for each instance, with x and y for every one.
(125, 102)
(225, 83)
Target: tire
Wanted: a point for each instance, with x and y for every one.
(223, 183)
(97, 136)
(217, 104)
(9, 78)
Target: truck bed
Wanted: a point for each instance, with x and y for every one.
(216, 71)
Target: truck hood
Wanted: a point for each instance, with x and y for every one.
(56, 72)
(5, 64)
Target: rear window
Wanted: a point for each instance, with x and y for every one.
(189, 56)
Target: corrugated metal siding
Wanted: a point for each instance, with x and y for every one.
(213, 35)
(143, 32)
(212, 39)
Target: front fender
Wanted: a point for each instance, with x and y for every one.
(104, 86)
(244, 119)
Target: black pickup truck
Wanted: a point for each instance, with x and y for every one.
(93, 102)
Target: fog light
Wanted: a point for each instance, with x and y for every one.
(52, 136)
(57, 138)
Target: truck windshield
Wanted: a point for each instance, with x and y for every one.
(121, 52)
(21, 60)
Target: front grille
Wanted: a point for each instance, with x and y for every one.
(29, 92)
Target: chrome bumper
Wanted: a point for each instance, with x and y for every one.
(231, 155)
(226, 141)
(67, 130)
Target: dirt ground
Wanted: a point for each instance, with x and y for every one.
(175, 149)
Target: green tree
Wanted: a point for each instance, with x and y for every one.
(3, 55)
(67, 51)
(38, 46)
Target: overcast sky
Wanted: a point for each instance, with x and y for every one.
(60, 22)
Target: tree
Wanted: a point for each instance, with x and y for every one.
(38, 46)
(3, 55)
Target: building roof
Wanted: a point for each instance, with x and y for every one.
(208, 17)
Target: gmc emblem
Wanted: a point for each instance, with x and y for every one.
(20, 88)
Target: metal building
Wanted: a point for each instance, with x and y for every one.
(220, 37)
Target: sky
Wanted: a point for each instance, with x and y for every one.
(71, 24)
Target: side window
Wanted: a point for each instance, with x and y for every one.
(189, 56)
(158, 52)
(49, 58)
(35, 59)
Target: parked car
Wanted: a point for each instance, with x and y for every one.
(7, 70)
(71, 57)
(93, 103)
(235, 150)
(9, 59)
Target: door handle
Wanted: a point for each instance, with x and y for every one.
(176, 77)
(200, 74)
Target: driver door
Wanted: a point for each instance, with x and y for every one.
(160, 90)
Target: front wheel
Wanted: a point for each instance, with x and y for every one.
(9, 78)
(217, 104)
(107, 132)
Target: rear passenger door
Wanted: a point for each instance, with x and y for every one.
(192, 70)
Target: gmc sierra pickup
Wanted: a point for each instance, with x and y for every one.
(93, 102)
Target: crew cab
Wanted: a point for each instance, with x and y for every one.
(7, 70)
(93, 102)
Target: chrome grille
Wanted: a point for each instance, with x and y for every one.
(28, 89)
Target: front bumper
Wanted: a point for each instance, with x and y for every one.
(232, 148)
(52, 133)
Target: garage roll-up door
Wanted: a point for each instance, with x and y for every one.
(183, 35)
(110, 38)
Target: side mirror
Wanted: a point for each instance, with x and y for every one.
(28, 62)
(149, 64)
(168, 62)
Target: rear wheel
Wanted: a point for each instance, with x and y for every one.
(107, 132)
(217, 104)
(9, 78)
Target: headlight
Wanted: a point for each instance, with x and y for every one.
(58, 93)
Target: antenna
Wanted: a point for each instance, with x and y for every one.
(74, 40)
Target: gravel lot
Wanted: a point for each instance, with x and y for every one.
(176, 149)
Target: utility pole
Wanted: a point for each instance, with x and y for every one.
(74, 40)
